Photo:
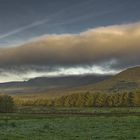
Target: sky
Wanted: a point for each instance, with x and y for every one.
(67, 37)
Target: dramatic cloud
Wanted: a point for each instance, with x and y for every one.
(95, 45)
(115, 47)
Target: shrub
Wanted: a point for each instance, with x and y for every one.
(6, 104)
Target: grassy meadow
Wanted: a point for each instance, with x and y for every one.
(53, 124)
(71, 128)
(86, 116)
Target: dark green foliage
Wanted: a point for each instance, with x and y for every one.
(6, 104)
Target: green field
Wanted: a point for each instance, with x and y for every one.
(53, 124)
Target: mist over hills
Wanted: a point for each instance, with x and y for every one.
(43, 84)
(127, 80)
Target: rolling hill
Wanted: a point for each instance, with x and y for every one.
(126, 80)
(45, 84)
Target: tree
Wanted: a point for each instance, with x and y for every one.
(130, 99)
(6, 104)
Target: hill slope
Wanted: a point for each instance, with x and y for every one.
(43, 84)
(126, 80)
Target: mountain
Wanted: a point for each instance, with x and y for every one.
(127, 80)
(43, 84)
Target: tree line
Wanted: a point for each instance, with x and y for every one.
(87, 99)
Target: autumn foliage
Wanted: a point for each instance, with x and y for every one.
(86, 99)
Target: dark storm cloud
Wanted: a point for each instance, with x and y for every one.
(117, 44)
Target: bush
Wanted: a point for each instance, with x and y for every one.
(6, 104)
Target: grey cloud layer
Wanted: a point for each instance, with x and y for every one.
(120, 43)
